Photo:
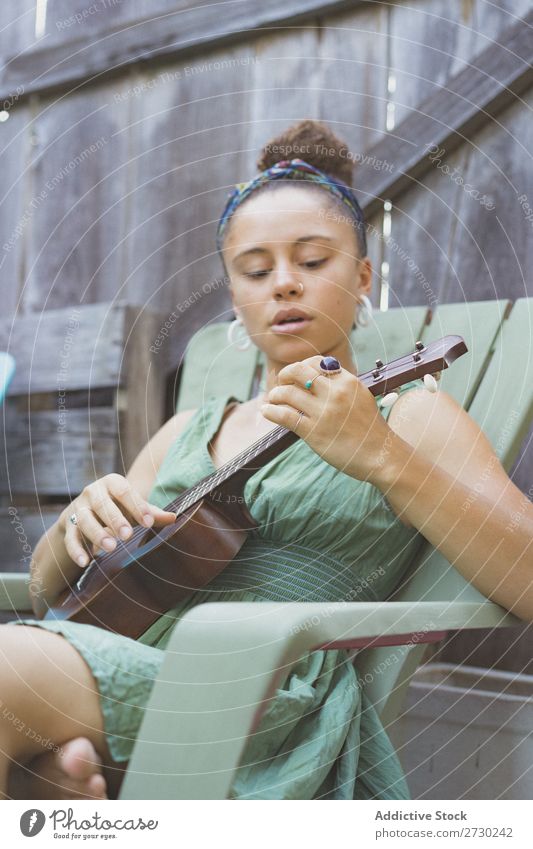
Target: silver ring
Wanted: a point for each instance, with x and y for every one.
(73, 518)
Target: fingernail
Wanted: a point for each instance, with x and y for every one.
(108, 543)
(148, 519)
(82, 560)
(124, 532)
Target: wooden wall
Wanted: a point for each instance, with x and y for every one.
(127, 121)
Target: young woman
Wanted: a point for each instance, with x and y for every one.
(340, 513)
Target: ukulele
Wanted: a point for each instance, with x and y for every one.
(127, 590)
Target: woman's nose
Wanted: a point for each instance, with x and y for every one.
(286, 282)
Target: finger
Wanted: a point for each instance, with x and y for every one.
(285, 416)
(293, 396)
(76, 546)
(299, 372)
(94, 548)
(121, 490)
(162, 517)
(104, 507)
(93, 530)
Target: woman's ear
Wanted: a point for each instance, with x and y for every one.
(235, 310)
(365, 275)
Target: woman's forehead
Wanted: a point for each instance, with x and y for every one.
(284, 216)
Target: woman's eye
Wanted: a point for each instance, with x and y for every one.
(255, 273)
(314, 263)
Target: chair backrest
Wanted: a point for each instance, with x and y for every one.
(487, 382)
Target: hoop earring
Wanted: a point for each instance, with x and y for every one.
(364, 312)
(245, 340)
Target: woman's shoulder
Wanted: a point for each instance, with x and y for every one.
(442, 431)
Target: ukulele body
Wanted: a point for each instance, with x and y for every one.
(142, 581)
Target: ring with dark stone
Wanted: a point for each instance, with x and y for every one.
(330, 365)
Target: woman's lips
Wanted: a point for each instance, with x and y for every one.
(295, 326)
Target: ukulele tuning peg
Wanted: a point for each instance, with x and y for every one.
(430, 383)
(389, 399)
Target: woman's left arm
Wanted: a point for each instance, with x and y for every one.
(443, 475)
(434, 465)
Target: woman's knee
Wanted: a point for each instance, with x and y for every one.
(47, 692)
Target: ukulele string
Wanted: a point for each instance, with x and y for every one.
(190, 496)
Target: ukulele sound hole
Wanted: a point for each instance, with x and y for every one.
(146, 537)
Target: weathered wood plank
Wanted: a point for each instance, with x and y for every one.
(67, 349)
(492, 251)
(40, 459)
(78, 198)
(17, 32)
(284, 88)
(350, 73)
(15, 213)
(20, 530)
(432, 42)
(464, 233)
(423, 227)
(188, 131)
(470, 100)
(189, 31)
(74, 18)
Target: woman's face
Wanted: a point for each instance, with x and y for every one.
(289, 249)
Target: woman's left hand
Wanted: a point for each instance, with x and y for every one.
(340, 421)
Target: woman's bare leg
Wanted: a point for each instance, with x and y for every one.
(48, 696)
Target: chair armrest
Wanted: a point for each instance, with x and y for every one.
(15, 592)
(223, 662)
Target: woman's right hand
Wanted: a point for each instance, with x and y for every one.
(106, 510)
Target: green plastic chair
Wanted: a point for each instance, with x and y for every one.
(225, 659)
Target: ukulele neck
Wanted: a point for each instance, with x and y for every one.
(238, 470)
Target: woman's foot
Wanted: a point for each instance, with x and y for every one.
(73, 772)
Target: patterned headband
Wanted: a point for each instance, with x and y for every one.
(294, 169)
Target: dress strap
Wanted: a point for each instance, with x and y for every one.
(412, 384)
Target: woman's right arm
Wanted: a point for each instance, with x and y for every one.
(103, 508)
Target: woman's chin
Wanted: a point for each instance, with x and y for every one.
(291, 349)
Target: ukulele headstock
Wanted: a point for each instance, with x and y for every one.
(425, 359)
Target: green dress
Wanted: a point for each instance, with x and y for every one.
(322, 536)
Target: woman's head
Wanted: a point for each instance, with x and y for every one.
(294, 244)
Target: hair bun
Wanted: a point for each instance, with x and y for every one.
(314, 142)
